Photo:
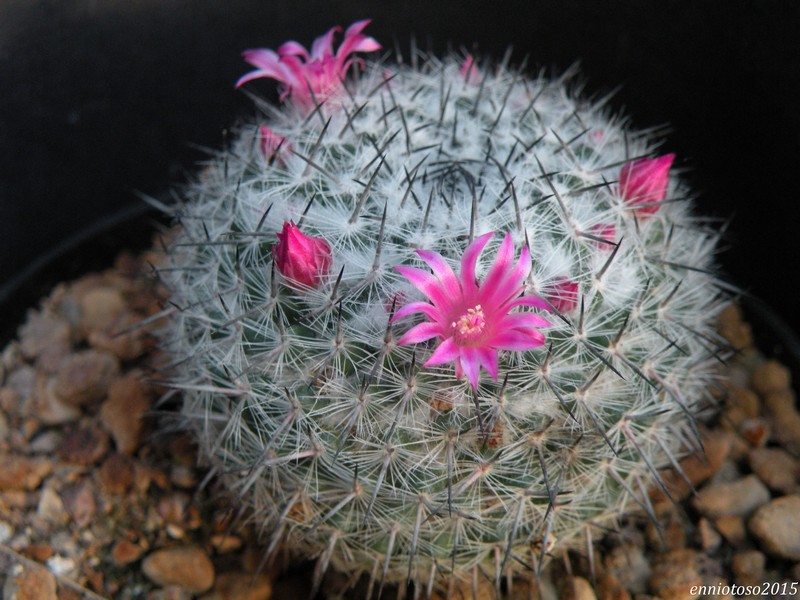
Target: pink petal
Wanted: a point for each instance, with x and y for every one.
(420, 333)
(488, 360)
(499, 292)
(523, 321)
(262, 58)
(501, 265)
(534, 301)
(427, 284)
(470, 362)
(442, 270)
(428, 310)
(292, 48)
(517, 340)
(468, 262)
(322, 47)
(354, 42)
(446, 352)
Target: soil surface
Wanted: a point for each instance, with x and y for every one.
(99, 500)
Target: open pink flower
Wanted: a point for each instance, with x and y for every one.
(643, 183)
(301, 258)
(305, 76)
(473, 319)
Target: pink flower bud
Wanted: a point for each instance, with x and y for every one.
(563, 295)
(272, 145)
(643, 183)
(469, 71)
(299, 257)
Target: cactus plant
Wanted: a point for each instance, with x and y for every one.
(433, 319)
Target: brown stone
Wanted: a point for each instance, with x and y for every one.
(45, 405)
(22, 473)
(43, 331)
(674, 574)
(696, 468)
(771, 376)
(121, 414)
(734, 329)
(115, 475)
(224, 544)
(777, 527)
(29, 582)
(746, 400)
(125, 552)
(122, 339)
(609, 588)
(240, 586)
(710, 539)
(84, 445)
(755, 431)
(732, 529)
(100, 307)
(776, 468)
(84, 377)
(748, 567)
(79, 500)
(738, 498)
(185, 566)
(38, 552)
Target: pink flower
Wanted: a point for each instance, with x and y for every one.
(301, 258)
(563, 295)
(469, 71)
(473, 319)
(643, 183)
(315, 76)
(271, 144)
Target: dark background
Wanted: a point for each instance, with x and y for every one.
(103, 99)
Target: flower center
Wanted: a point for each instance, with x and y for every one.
(470, 326)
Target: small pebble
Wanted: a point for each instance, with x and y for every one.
(697, 468)
(776, 468)
(710, 539)
(80, 502)
(733, 529)
(608, 588)
(115, 475)
(746, 400)
(771, 376)
(748, 567)
(738, 498)
(776, 526)
(29, 582)
(121, 414)
(51, 508)
(224, 544)
(84, 377)
(240, 586)
(45, 405)
(100, 307)
(22, 473)
(83, 445)
(42, 331)
(185, 566)
(674, 574)
(125, 552)
(578, 588)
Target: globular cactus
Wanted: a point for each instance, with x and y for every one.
(425, 424)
